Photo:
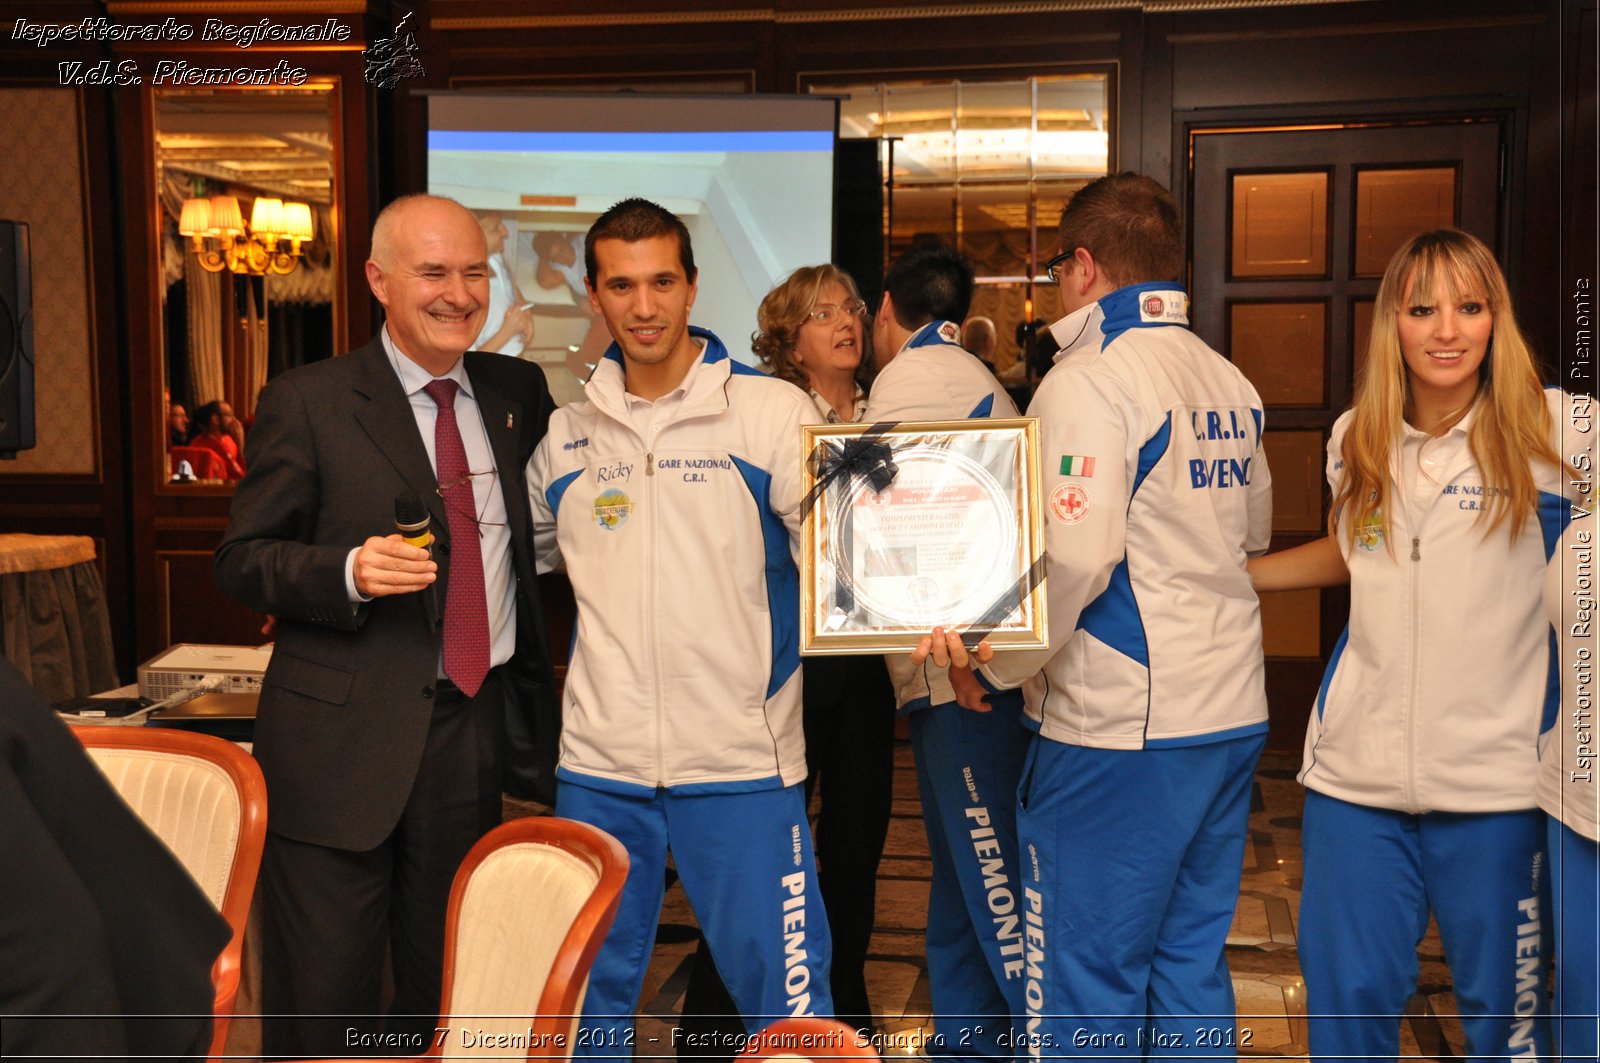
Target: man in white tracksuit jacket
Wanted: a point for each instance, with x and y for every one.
(968, 763)
(1150, 704)
(672, 495)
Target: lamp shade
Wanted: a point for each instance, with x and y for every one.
(196, 217)
(297, 220)
(225, 216)
(266, 216)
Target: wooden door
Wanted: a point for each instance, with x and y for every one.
(1291, 227)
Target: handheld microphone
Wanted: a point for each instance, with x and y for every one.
(411, 519)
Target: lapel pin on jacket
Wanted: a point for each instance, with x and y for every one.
(511, 419)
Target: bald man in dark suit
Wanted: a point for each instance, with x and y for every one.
(380, 728)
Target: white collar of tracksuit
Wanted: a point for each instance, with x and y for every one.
(1093, 327)
(935, 333)
(704, 385)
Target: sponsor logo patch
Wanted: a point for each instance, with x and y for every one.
(1166, 308)
(1370, 535)
(611, 509)
(949, 332)
(1069, 503)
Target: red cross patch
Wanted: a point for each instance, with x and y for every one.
(1069, 503)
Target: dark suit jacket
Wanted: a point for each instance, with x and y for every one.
(346, 703)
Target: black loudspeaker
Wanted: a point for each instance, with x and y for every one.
(16, 341)
(858, 215)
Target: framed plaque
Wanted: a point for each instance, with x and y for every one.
(913, 525)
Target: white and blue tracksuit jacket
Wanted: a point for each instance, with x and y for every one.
(1155, 489)
(932, 378)
(1569, 784)
(685, 665)
(1569, 775)
(1441, 717)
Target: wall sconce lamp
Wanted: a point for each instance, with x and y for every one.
(271, 244)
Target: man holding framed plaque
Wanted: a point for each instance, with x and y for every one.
(1151, 704)
(672, 496)
(967, 764)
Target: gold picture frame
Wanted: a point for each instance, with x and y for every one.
(921, 523)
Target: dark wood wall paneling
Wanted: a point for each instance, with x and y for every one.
(768, 48)
(1381, 62)
(1576, 298)
(92, 504)
(156, 542)
(1171, 68)
(1377, 60)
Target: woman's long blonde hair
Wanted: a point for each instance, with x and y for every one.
(1512, 422)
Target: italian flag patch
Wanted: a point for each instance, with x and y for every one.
(1074, 465)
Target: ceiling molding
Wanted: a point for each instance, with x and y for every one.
(885, 13)
(1354, 29)
(1179, 7)
(652, 18)
(998, 7)
(222, 9)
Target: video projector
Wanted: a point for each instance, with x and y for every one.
(192, 666)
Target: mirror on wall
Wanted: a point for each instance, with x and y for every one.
(985, 165)
(247, 197)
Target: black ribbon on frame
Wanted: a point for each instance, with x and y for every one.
(1003, 606)
(866, 456)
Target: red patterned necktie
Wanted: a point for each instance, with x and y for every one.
(466, 610)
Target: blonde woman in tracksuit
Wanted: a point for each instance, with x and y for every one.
(1422, 751)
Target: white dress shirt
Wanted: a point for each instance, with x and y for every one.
(499, 575)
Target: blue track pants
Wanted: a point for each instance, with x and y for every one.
(968, 767)
(1131, 862)
(1575, 881)
(1371, 877)
(746, 864)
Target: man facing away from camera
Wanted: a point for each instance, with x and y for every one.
(968, 763)
(1150, 704)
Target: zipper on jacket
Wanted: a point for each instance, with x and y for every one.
(1414, 577)
(650, 612)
